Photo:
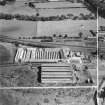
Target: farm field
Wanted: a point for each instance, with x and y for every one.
(48, 28)
(101, 22)
(101, 72)
(47, 96)
(70, 27)
(101, 80)
(16, 28)
(101, 61)
(44, 12)
(22, 8)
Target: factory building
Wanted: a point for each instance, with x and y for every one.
(29, 54)
(39, 55)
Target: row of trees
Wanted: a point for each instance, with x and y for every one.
(50, 18)
(50, 38)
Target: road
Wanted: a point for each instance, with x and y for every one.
(44, 44)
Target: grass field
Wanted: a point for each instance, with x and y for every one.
(47, 97)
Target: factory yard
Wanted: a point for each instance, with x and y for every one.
(26, 61)
(68, 59)
(56, 74)
(71, 96)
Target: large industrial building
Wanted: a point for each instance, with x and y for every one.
(35, 54)
(39, 55)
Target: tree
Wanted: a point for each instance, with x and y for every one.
(80, 34)
(75, 17)
(65, 36)
(31, 5)
(37, 14)
(60, 35)
(54, 35)
(70, 16)
(46, 100)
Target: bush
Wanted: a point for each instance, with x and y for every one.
(75, 17)
(33, 37)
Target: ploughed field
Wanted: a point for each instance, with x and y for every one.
(47, 96)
